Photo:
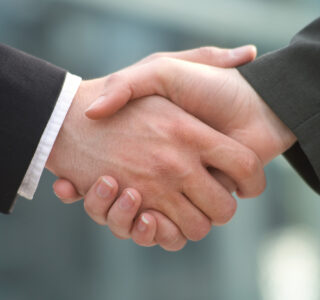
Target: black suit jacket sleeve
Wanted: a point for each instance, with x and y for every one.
(29, 89)
(289, 82)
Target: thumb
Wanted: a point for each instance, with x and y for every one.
(66, 191)
(143, 79)
(238, 56)
(212, 56)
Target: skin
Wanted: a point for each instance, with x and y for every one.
(159, 229)
(164, 155)
(123, 223)
(221, 98)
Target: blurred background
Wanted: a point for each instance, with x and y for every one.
(48, 250)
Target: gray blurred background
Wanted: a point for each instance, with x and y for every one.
(52, 251)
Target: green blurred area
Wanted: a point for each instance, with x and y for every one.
(52, 251)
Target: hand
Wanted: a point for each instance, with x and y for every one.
(121, 214)
(221, 98)
(220, 57)
(163, 155)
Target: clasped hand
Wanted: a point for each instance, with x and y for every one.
(180, 160)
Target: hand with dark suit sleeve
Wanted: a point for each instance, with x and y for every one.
(271, 105)
(288, 80)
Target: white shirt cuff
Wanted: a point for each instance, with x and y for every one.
(31, 179)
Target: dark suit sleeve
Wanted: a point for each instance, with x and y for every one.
(29, 89)
(289, 82)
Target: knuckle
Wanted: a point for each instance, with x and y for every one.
(249, 165)
(95, 214)
(179, 131)
(260, 187)
(199, 230)
(88, 206)
(142, 239)
(179, 245)
(155, 56)
(169, 238)
(208, 53)
(143, 242)
(171, 128)
(164, 59)
(120, 236)
(117, 224)
(66, 201)
(164, 65)
(169, 164)
(251, 173)
(93, 208)
(170, 131)
(113, 78)
(120, 82)
(226, 214)
(263, 186)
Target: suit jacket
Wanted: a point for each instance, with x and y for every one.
(29, 89)
(288, 80)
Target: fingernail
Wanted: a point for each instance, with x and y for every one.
(126, 201)
(143, 224)
(241, 50)
(104, 188)
(96, 103)
(56, 194)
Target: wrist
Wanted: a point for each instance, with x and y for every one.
(266, 134)
(280, 137)
(73, 119)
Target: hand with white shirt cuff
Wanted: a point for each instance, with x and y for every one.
(158, 227)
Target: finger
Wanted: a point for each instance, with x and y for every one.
(151, 78)
(144, 230)
(168, 235)
(144, 80)
(123, 212)
(223, 179)
(193, 224)
(100, 198)
(237, 161)
(120, 89)
(211, 197)
(66, 191)
(214, 56)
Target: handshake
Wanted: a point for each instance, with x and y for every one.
(157, 149)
